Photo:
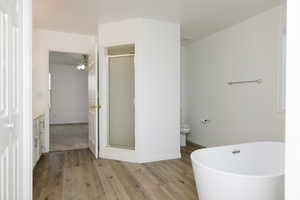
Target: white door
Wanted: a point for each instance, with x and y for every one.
(10, 99)
(93, 101)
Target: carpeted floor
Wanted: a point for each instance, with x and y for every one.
(68, 137)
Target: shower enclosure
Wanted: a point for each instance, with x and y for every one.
(121, 96)
(139, 90)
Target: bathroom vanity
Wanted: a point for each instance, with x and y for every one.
(37, 140)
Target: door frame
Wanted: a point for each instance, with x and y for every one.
(47, 113)
(44, 42)
(105, 150)
(108, 57)
(26, 189)
(292, 158)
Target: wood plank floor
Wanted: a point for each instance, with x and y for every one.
(76, 175)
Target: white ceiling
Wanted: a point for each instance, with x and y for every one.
(198, 18)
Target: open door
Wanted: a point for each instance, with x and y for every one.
(93, 101)
(12, 68)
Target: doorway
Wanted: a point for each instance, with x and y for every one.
(68, 116)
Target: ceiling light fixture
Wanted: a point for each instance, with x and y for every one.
(80, 67)
(83, 63)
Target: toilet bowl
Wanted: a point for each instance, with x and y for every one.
(184, 131)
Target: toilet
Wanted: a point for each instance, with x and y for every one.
(184, 131)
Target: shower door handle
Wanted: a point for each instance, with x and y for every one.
(95, 106)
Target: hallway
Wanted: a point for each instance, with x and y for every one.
(76, 175)
(68, 137)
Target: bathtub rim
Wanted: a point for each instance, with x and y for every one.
(275, 175)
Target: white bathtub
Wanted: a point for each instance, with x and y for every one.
(253, 171)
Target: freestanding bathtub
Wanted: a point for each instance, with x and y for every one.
(253, 171)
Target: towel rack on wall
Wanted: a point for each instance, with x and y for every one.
(258, 81)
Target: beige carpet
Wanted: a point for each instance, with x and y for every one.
(68, 137)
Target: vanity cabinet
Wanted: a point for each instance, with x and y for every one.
(37, 140)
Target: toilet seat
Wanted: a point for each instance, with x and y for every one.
(185, 130)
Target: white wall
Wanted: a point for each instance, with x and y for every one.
(45, 41)
(157, 84)
(183, 85)
(239, 113)
(69, 95)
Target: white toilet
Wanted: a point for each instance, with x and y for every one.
(184, 131)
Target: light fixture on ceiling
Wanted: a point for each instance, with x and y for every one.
(82, 65)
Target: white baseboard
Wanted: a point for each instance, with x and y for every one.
(69, 123)
(197, 141)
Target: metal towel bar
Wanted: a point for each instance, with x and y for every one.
(258, 81)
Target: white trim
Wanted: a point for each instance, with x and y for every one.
(105, 150)
(292, 153)
(27, 101)
(281, 73)
(113, 153)
(122, 55)
(118, 43)
(47, 113)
